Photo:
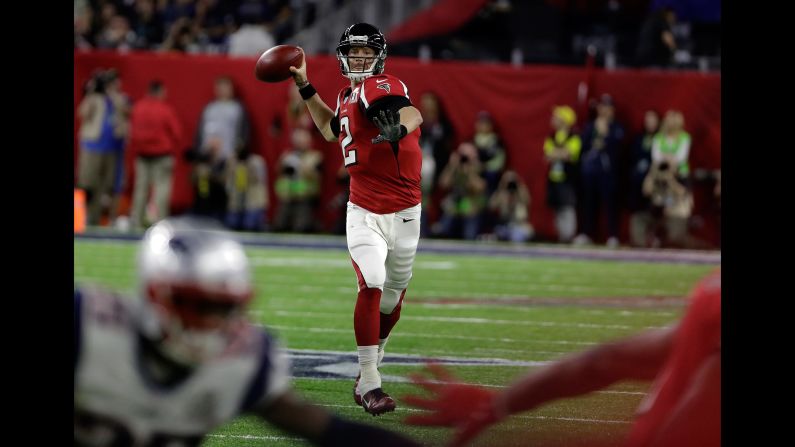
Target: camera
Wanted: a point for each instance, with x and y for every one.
(512, 185)
(464, 159)
(288, 170)
(664, 166)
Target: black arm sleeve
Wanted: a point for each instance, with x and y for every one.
(394, 103)
(335, 126)
(354, 434)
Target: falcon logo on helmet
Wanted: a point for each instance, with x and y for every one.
(362, 35)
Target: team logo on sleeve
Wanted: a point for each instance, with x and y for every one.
(384, 87)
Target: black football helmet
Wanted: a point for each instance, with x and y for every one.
(364, 35)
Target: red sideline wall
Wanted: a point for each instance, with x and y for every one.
(520, 99)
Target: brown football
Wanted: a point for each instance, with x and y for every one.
(274, 64)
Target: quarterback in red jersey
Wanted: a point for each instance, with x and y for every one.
(378, 131)
(682, 407)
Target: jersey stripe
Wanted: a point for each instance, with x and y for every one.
(361, 94)
(405, 89)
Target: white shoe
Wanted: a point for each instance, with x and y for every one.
(581, 239)
(612, 242)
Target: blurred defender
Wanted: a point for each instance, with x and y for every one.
(378, 130)
(181, 359)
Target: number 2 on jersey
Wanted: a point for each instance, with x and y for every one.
(348, 156)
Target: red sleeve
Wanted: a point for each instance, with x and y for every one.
(381, 86)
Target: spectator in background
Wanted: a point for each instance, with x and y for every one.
(656, 43)
(225, 119)
(116, 35)
(640, 163)
(436, 142)
(177, 11)
(222, 132)
(490, 150)
(282, 25)
(463, 205)
(298, 185)
(147, 24)
(83, 18)
(511, 202)
(298, 117)
(155, 136)
(181, 38)
(107, 12)
(601, 141)
(253, 37)
(437, 135)
(671, 205)
(208, 179)
(562, 152)
(101, 138)
(672, 144)
(297, 113)
(216, 20)
(247, 189)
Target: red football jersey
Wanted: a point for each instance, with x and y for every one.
(697, 343)
(382, 181)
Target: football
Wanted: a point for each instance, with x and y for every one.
(274, 64)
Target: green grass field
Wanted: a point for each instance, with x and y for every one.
(459, 307)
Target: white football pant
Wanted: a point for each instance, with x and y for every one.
(384, 246)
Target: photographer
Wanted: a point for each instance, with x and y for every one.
(511, 202)
(298, 185)
(463, 204)
(671, 204)
(562, 153)
(247, 189)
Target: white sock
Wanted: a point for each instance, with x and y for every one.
(381, 345)
(368, 364)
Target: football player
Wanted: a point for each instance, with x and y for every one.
(682, 407)
(180, 359)
(378, 130)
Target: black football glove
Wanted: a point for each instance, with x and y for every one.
(389, 125)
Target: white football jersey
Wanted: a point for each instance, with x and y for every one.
(116, 403)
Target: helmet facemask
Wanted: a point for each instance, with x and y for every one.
(191, 324)
(373, 65)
